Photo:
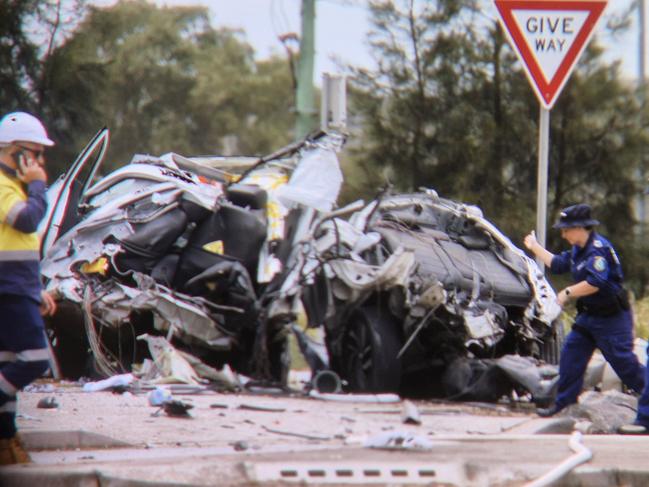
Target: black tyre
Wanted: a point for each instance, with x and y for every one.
(372, 341)
(552, 344)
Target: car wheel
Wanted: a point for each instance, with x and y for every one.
(553, 343)
(371, 343)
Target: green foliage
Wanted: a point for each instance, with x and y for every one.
(18, 59)
(641, 317)
(160, 78)
(449, 108)
(29, 30)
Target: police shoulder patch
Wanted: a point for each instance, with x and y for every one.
(599, 263)
(597, 243)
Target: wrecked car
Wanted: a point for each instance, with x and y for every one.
(417, 294)
(222, 256)
(192, 249)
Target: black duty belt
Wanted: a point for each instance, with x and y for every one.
(620, 303)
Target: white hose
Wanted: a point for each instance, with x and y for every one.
(365, 398)
(582, 455)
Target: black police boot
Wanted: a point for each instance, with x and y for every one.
(633, 429)
(548, 412)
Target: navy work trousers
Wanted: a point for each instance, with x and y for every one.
(23, 354)
(613, 335)
(643, 402)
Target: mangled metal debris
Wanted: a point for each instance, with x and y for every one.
(410, 413)
(213, 260)
(175, 408)
(48, 402)
(413, 285)
(398, 440)
(173, 247)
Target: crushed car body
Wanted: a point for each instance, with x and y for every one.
(172, 246)
(222, 256)
(418, 287)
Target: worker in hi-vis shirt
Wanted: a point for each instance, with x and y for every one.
(23, 348)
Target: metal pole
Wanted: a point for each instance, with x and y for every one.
(542, 179)
(642, 42)
(642, 46)
(306, 115)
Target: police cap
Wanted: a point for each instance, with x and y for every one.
(576, 216)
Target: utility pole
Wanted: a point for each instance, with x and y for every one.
(642, 42)
(642, 86)
(304, 102)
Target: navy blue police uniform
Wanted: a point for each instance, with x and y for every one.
(643, 402)
(604, 319)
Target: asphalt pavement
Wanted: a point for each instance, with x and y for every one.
(78, 438)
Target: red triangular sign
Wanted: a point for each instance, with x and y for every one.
(549, 36)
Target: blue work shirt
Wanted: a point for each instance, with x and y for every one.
(598, 265)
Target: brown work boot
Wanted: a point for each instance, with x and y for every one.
(12, 451)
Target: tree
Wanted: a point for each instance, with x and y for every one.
(439, 111)
(162, 79)
(17, 54)
(418, 49)
(30, 30)
(449, 108)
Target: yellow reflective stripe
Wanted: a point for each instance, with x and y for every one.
(12, 214)
(7, 357)
(18, 255)
(33, 355)
(8, 407)
(6, 386)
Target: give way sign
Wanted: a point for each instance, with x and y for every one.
(549, 36)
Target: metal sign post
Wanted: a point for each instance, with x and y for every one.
(548, 36)
(542, 178)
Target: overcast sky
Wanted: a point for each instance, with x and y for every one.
(341, 28)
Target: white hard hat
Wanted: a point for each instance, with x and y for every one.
(23, 127)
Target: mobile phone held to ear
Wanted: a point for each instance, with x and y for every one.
(24, 163)
(21, 162)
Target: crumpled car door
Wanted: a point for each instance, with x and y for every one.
(66, 194)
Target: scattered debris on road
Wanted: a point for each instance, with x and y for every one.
(48, 402)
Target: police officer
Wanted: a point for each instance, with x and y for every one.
(603, 320)
(23, 347)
